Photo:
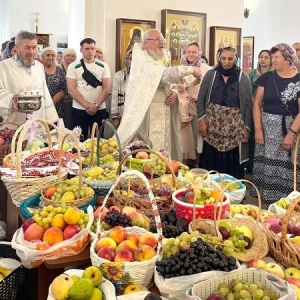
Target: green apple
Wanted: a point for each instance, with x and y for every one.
(292, 272)
(94, 274)
(274, 269)
(61, 286)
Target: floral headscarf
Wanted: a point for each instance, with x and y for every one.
(288, 52)
(8, 48)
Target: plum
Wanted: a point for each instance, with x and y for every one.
(215, 297)
(224, 232)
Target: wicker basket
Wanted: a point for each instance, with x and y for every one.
(13, 286)
(259, 248)
(139, 272)
(164, 204)
(78, 201)
(6, 149)
(19, 187)
(204, 289)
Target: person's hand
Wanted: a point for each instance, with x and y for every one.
(171, 99)
(246, 136)
(92, 109)
(259, 136)
(197, 72)
(203, 127)
(116, 123)
(191, 98)
(288, 141)
(14, 102)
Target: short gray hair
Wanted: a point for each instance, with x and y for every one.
(25, 35)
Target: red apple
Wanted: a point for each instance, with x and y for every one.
(103, 213)
(124, 256)
(70, 231)
(106, 253)
(114, 207)
(27, 223)
(174, 165)
(2, 141)
(294, 281)
(257, 263)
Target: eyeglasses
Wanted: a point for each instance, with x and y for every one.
(160, 40)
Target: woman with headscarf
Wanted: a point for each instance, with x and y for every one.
(10, 48)
(224, 110)
(118, 90)
(264, 65)
(277, 124)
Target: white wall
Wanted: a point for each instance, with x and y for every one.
(5, 21)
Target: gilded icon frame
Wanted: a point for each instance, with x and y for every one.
(248, 53)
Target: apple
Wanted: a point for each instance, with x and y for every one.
(27, 223)
(189, 175)
(257, 263)
(124, 256)
(103, 213)
(274, 269)
(118, 234)
(215, 297)
(127, 210)
(142, 155)
(297, 291)
(106, 253)
(70, 231)
(246, 231)
(189, 197)
(137, 219)
(50, 192)
(61, 286)
(2, 141)
(105, 241)
(245, 210)
(235, 209)
(126, 245)
(144, 252)
(132, 288)
(292, 272)
(276, 228)
(114, 207)
(94, 274)
(174, 165)
(294, 281)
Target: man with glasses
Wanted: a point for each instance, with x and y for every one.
(151, 111)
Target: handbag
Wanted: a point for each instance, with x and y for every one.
(89, 77)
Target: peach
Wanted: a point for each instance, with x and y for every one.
(105, 241)
(70, 231)
(142, 155)
(127, 210)
(53, 235)
(34, 232)
(124, 256)
(72, 215)
(137, 219)
(127, 245)
(144, 252)
(103, 213)
(106, 253)
(50, 192)
(58, 221)
(118, 234)
(134, 238)
(148, 238)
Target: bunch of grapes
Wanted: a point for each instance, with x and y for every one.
(156, 166)
(116, 218)
(240, 289)
(44, 216)
(6, 135)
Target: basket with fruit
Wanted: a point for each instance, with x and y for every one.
(240, 237)
(25, 182)
(243, 284)
(127, 255)
(133, 191)
(52, 233)
(7, 132)
(70, 192)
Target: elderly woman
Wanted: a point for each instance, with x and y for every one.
(55, 78)
(276, 123)
(69, 56)
(225, 115)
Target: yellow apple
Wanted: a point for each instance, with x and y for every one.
(246, 231)
(132, 288)
(297, 291)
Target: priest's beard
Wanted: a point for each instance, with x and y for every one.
(158, 54)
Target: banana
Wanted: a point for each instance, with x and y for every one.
(183, 166)
(5, 272)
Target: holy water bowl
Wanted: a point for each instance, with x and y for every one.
(29, 103)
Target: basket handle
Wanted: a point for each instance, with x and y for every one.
(148, 151)
(101, 129)
(9, 122)
(76, 143)
(152, 201)
(16, 152)
(95, 130)
(296, 161)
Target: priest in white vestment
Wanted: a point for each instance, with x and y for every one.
(23, 75)
(151, 110)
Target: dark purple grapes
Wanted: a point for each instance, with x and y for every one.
(116, 218)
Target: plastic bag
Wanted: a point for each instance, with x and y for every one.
(275, 209)
(31, 257)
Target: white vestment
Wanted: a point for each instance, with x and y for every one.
(15, 78)
(146, 117)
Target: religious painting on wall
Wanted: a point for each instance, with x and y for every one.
(221, 37)
(248, 53)
(180, 28)
(129, 31)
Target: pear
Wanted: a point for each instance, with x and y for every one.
(97, 294)
(94, 274)
(60, 287)
(81, 290)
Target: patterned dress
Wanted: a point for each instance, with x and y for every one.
(56, 82)
(273, 166)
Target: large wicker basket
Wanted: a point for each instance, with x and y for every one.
(78, 201)
(259, 248)
(164, 204)
(19, 187)
(138, 272)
